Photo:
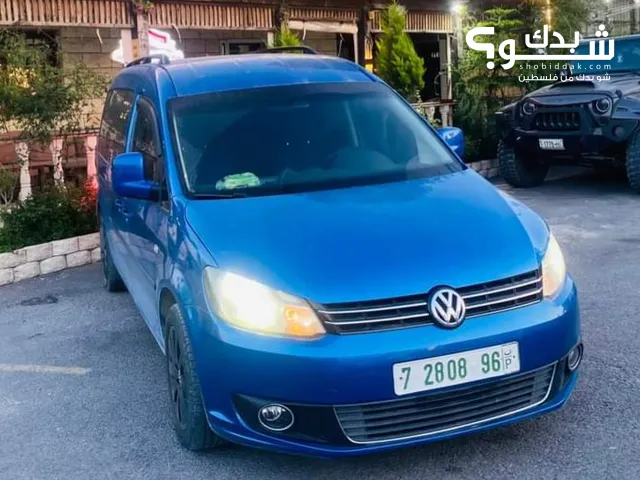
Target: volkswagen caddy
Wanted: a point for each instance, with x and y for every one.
(323, 273)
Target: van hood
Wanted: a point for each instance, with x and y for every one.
(379, 241)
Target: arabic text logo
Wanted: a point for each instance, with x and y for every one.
(507, 49)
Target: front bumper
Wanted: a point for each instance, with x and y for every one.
(240, 371)
(596, 137)
(592, 143)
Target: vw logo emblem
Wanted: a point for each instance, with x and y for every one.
(447, 308)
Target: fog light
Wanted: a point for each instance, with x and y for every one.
(574, 358)
(275, 417)
(618, 131)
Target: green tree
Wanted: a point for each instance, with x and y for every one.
(40, 98)
(397, 62)
(480, 91)
(569, 16)
(285, 37)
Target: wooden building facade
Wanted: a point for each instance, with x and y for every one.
(104, 34)
(90, 30)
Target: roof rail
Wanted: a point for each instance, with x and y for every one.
(298, 48)
(162, 60)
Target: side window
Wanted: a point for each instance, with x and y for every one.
(146, 140)
(113, 129)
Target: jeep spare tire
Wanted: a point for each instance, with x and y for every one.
(519, 171)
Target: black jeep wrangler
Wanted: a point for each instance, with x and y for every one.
(590, 117)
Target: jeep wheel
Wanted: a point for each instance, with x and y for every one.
(110, 276)
(519, 171)
(189, 417)
(633, 163)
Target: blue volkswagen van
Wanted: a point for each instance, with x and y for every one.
(323, 273)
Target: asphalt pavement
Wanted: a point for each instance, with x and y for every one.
(83, 391)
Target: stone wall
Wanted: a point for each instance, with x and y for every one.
(93, 47)
(29, 262)
(486, 168)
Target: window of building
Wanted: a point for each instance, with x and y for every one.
(236, 47)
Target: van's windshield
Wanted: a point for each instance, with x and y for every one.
(299, 138)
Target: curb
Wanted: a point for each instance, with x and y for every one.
(50, 257)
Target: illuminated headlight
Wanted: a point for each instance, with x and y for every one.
(253, 306)
(602, 106)
(554, 270)
(528, 108)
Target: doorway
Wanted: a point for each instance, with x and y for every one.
(427, 46)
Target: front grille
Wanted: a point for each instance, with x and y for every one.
(402, 312)
(445, 411)
(556, 121)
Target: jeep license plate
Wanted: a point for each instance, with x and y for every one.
(551, 144)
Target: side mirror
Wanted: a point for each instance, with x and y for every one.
(454, 138)
(127, 176)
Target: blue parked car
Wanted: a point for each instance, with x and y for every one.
(323, 273)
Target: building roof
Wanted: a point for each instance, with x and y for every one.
(221, 73)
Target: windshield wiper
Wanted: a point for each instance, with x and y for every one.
(208, 196)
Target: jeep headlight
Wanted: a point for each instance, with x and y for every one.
(602, 105)
(554, 270)
(528, 108)
(249, 305)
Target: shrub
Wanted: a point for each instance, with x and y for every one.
(480, 91)
(52, 214)
(397, 62)
(41, 98)
(286, 38)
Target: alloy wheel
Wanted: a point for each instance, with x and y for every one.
(176, 376)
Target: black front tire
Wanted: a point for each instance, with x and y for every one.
(189, 417)
(519, 171)
(633, 163)
(111, 278)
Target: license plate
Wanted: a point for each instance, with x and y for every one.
(456, 369)
(551, 143)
